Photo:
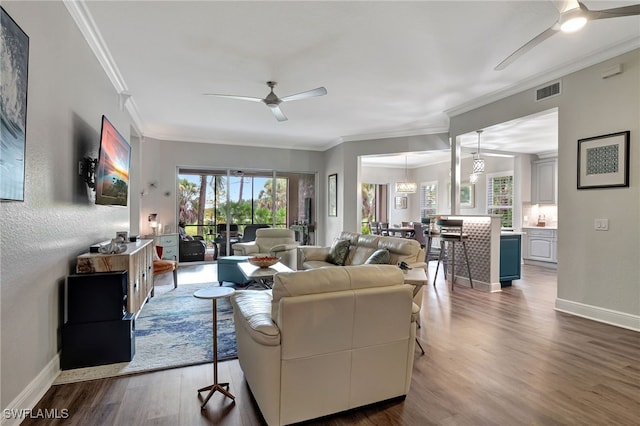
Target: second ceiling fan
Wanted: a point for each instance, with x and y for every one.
(573, 16)
(273, 101)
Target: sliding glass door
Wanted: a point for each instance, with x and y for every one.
(217, 205)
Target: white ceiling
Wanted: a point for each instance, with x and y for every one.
(390, 68)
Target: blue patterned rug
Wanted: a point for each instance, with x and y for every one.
(177, 327)
(174, 329)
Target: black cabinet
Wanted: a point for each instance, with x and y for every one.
(97, 329)
(510, 258)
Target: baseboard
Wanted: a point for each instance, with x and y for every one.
(14, 414)
(595, 313)
(549, 265)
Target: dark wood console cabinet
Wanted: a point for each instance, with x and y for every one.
(97, 328)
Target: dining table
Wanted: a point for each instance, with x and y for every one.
(403, 231)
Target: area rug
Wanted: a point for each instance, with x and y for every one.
(174, 329)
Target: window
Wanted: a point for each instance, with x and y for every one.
(203, 200)
(428, 199)
(500, 197)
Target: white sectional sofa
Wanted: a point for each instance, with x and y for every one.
(326, 340)
(361, 248)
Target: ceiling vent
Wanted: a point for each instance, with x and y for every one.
(548, 91)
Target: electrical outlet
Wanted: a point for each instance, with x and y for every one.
(601, 224)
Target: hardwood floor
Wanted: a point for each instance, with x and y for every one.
(491, 359)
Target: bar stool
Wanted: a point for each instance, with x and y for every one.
(451, 232)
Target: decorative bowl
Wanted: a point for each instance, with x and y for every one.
(263, 262)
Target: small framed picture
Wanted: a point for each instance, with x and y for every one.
(333, 195)
(400, 203)
(603, 161)
(122, 236)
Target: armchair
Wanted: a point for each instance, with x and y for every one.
(249, 233)
(326, 340)
(192, 249)
(271, 242)
(221, 237)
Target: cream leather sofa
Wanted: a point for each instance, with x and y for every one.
(363, 246)
(271, 242)
(326, 340)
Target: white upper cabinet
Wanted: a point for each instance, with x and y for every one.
(544, 181)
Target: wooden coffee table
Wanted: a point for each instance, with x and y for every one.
(263, 276)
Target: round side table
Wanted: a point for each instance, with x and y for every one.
(215, 293)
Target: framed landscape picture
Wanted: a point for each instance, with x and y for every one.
(467, 195)
(603, 161)
(13, 107)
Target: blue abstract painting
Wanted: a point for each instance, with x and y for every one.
(14, 63)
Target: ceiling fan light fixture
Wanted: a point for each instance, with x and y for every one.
(572, 20)
(573, 24)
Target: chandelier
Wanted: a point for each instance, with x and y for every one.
(406, 187)
(478, 163)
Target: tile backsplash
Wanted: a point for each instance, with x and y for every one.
(530, 213)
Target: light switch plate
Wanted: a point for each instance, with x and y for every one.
(601, 224)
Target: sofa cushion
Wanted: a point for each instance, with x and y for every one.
(324, 280)
(380, 257)
(339, 252)
(400, 249)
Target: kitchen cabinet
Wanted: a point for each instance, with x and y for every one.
(540, 244)
(510, 258)
(544, 181)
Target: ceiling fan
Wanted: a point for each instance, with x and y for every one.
(573, 16)
(273, 101)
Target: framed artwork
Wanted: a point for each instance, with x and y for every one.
(603, 161)
(333, 195)
(400, 203)
(13, 107)
(467, 195)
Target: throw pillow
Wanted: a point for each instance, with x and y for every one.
(379, 257)
(339, 252)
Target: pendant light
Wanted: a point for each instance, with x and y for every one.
(478, 163)
(406, 187)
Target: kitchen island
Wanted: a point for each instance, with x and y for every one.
(483, 247)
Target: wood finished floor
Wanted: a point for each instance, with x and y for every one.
(491, 359)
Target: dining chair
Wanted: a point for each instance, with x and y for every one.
(375, 228)
(418, 234)
(384, 228)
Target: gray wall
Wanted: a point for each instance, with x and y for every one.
(67, 94)
(344, 160)
(161, 159)
(598, 274)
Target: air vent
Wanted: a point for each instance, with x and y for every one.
(548, 91)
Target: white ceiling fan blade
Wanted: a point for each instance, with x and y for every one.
(527, 46)
(320, 91)
(242, 98)
(277, 112)
(616, 12)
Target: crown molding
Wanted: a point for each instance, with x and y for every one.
(89, 30)
(542, 78)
